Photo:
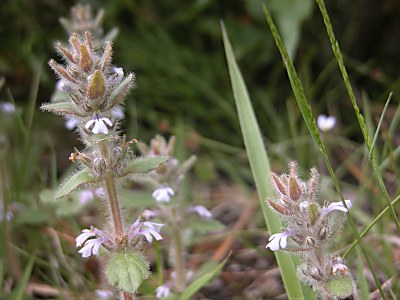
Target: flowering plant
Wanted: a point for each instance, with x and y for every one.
(95, 89)
(310, 229)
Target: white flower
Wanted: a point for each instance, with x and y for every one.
(339, 268)
(163, 194)
(201, 211)
(150, 230)
(91, 246)
(326, 123)
(117, 76)
(100, 125)
(163, 291)
(278, 241)
(337, 206)
(86, 233)
(7, 107)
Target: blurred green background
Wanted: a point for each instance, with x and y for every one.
(183, 88)
(175, 49)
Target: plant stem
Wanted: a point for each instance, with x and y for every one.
(112, 193)
(128, 296)
(179, 262)
(114, 205)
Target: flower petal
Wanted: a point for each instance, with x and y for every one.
(89, 123)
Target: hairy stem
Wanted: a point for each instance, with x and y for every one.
(179, 262)
(114, 205)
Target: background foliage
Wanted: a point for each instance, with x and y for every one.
(175, 48)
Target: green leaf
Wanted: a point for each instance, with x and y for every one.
(259, 165)
(18, 293)
(340, 287)
(77, 180)
(202, 281)
(126, 271)
(144, 165)
(65, 107)
(290, 15)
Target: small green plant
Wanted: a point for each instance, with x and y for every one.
(309, 231)
(95, 88)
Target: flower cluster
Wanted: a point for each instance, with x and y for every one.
(94, 91)
(82, 20)
(172, 209)
(93, 238)
(309, 229)
(94, 88)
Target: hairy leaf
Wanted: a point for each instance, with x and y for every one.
(126, 271)
(144, 165)
(77, 180)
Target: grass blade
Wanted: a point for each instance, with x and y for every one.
(379, 125)
(306, 111)
(18, 293)
(339, 58)
(259, 165)
(202, 280)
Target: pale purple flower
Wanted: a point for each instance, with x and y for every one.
(149, 230)
(337, 206)
(8, 215)
(148, 214)
(91, 247)
(163, 194)
(100, 125)
(7, 107)
(163, 291)
(118, 112)
(104, 294)
(64, 87)
(201, 211)
(278, 241)
(117, 76)
(86, 233)
(88, 195)
(304, 205)
(70, 122)
(326, 123)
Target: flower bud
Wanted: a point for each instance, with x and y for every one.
(295, 191)
(313, 213)
(74, 41)
(278, 184)
(61, 71)
(97, 86)
(85, 59)
(323, 233)
(279, 208)
(66, 53)
(310, 241)
(316, 273)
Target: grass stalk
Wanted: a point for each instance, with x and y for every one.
(312, 127)
(339, 58)
(259, 165)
